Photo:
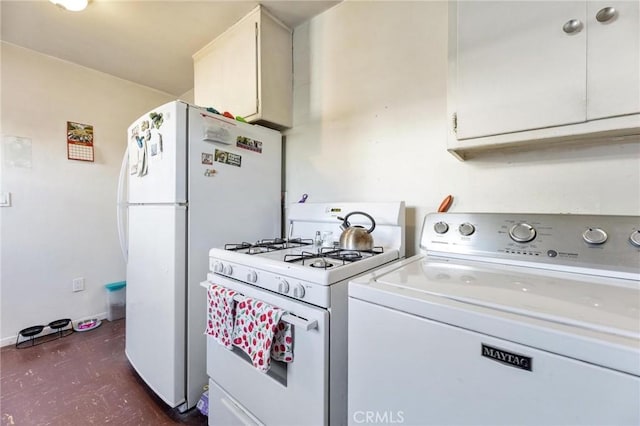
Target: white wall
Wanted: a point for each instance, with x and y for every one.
(370, 124)
(188, 96)
(62, 223)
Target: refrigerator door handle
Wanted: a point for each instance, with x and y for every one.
(121, 205)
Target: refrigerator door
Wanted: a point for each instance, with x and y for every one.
(157, 155)
(156, 289)
(233, 201)
(235, 185)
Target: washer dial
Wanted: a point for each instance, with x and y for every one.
(466, 229)
(441, 227)
(594, 236)
(522, 233)
(634, 238)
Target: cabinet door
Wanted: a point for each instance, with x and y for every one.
(613, 59)
(226, 78)
(516, 67)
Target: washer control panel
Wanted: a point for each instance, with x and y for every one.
(596, 244)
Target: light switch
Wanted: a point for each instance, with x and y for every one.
(5, 199)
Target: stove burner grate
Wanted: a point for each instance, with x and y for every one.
(236, 247)
(267, 245)
(350, 255)
(322, 259)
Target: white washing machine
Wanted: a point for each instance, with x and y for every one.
(502, 319)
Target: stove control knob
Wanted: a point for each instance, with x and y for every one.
(441, 227)
(634, 238)
(298, 291)
(228, 270)
(252, 277)
(283, 287)
(466, 229)
(522, 233)
(218, 267)
(594, 236)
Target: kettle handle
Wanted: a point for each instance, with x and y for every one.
(373, 222)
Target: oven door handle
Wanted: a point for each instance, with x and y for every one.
(292, 319)
(299, 322)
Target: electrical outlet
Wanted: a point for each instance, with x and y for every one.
(5, 199)
(78, 284)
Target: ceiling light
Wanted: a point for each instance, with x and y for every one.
(71, 5)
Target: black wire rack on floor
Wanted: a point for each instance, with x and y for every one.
(32, 336)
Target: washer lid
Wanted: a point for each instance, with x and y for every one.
(584, 317)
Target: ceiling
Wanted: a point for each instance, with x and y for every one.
(147, 42)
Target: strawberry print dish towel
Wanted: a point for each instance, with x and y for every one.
(220, 314)
(259, 332)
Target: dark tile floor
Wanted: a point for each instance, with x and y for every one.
(80, 379)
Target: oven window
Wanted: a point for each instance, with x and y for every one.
(277, 372)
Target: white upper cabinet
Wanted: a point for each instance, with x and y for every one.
(517, 69)
(527, 72)
(613, 62)
(248, 71)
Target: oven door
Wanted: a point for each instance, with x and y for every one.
(293, 393)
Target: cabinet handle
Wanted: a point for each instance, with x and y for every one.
(572, 26)
(606, 14)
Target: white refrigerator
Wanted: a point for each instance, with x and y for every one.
(196, 180)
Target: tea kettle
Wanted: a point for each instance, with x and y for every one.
(356, 237)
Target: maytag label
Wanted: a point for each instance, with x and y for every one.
(509, 358)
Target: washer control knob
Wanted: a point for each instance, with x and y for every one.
(252, 276)
(298, 291)
(594, 236)
(441, 227)
(283, 287)
(218, 267)
(522, 233)
(466, 229)
(228, 270)
(634, 238)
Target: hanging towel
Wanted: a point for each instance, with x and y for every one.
(256, 325)
(220, 314)
(282, 349)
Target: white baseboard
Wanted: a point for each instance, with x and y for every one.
(11, 340)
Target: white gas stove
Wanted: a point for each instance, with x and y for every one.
(302, 267)
(306, 274)
(502, 319)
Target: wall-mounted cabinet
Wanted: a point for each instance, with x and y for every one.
(528, 73)
(248, 71)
